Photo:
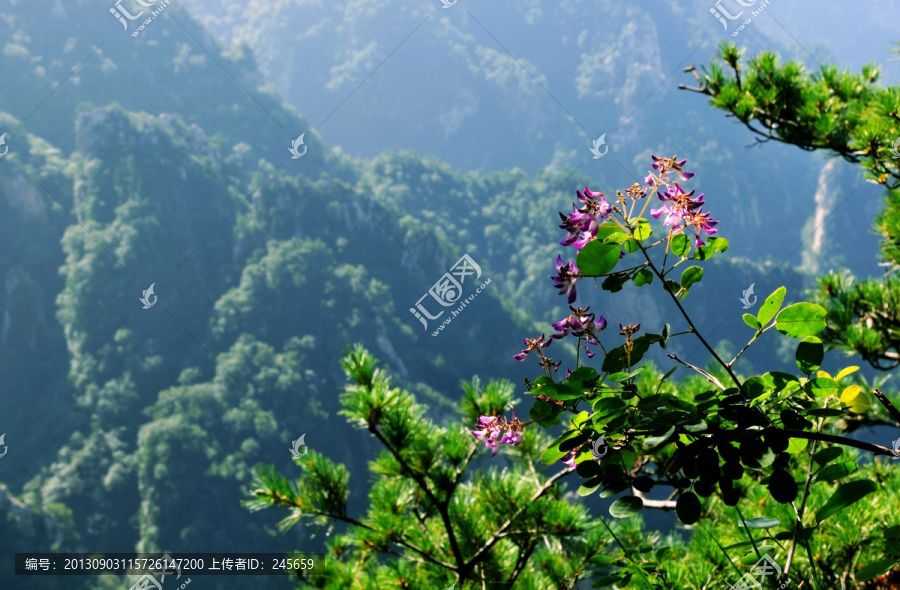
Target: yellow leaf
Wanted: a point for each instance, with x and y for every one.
(825, 374)
(846, 372)
(856, 399)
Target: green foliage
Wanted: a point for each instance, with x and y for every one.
(845, 114)
(433, 519)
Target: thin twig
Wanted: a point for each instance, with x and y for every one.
(749, 534)
(891, 408)
(708, 376)
(799, 524)
(687, 318)
(840, 440)
(660, 504)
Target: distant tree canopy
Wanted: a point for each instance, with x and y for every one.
(848, 115)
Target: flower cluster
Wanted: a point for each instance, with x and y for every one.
(680, 208)
(581, 324)
(567, 276)
(532, 344)
(495, 431)
(583, 222)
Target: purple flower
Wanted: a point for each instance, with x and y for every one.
(673, 218)
(583, 222)
(495, 431)
(702, 223)
(569, 460)
(665, 164)
(512, 437)
(580, 324)
(532, 344)
(566, 277)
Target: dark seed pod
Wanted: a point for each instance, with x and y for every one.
(752, 450)
(777, 440)
(729, 452)
(703, 488)
(643, 484)
(708, 464)
(688, 508)
(690, 469)
(732, 471)
(782, 486)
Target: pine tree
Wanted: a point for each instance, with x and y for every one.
(844, 114)
(433, 518)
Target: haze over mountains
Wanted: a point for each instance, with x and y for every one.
(431, 133)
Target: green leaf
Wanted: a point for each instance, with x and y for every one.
(614, 282)
(617, 359)
(588, 469)
(583, 375)
(597, 258)
(797, 445)
(771, 306)
(822, 387)
(626, 506)
(653, 442)
(876, 568)
(664, 338)
(846, 495)
(552, 455)
(643, 277)
(572, 443)
(826, 456)
(672, 286)
(751, 321)
(631, 246)
(590, 486)
(688, 508)
(643, 230)
(801, 320)
(609, 228)
(680, 245)
(809, 355)
(762, 523)
(559, 391)
(690, 276)
(836, 471)
(545, 413)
